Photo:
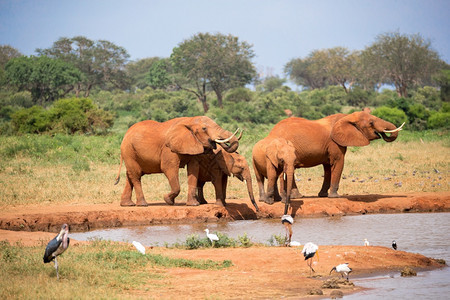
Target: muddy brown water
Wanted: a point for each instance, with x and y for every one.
(424, 233)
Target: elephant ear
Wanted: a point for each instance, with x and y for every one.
(272, 154)
(345, 133)
(180, 139)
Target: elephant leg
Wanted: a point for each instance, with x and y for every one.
(277, 197)
(271, 185)
(326, 180)
(193, 169)
(125, 199)
(295, 193)
(224, 189)
(336, 172)
(134, 180)
(260, 181)
(172, 177)
(201, 196)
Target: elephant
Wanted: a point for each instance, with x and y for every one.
(273, 157)
(215, 167)
(325, 141)
(152, 147)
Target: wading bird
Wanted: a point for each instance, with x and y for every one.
(394, 245)
(287, 221)
(139, 247)
(366, 242)
(309, 250)
(343, 269)
(211, 236)
(57, 246)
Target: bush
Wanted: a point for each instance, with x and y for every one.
(66, 116)
(31, 120)
(439, 120)
(393, 115)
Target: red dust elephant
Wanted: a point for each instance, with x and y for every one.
(152, 147)
(216, 166)
(325, 141)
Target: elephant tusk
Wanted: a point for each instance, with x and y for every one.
(240, 135)
(395, 130)
(228, 139)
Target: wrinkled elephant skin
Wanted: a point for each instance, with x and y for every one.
(152, 147)
(325, 141)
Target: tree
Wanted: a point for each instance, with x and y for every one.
(405, 61)
(306, 72)
(218, 62)
(158, 75)
(334, 66)
(138, 70)
(102, 62)
(47, 79)
(6, 53)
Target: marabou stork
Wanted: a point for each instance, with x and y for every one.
(57, 246)
(394, 245)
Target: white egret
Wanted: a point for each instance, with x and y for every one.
(342, 269)
(211, 236)
(139, 247)
(309, 250)
(366, 242)
(57, 246)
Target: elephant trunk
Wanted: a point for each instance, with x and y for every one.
(392, 130)
(248, 181)
(289, 173)
(229, 142)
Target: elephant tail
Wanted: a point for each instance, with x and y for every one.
(118, 174)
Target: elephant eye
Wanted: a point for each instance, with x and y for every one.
(204, 128)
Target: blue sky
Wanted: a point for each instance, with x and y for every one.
(279, 30)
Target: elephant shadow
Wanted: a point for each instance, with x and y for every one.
(240, 211)
(295, 206)
(370, 198)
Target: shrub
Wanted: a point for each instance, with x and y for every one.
(393, 115)
(31, 120)
(439, 120)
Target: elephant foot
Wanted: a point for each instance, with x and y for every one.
(323, 194)
(202, 201)
(127, 202)
(141, 203)
(295, 194)
(333, 195)
(169, 200)
(269, 201)
(192, 203)
(221, 203)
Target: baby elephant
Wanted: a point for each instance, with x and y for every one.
(216, 166)
(271, 158)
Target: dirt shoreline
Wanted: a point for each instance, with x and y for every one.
(85, 217)
(258, 272)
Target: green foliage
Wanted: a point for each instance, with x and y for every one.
(75, 115)
(439, 120)
(158, 75)
(393, 115)
(44, 77)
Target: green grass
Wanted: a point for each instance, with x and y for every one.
(98, 270)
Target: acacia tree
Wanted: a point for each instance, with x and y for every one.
(138, 70)
(102, 62)
(335, 66)
(47, 79)
(404, 61)
(217, 62)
